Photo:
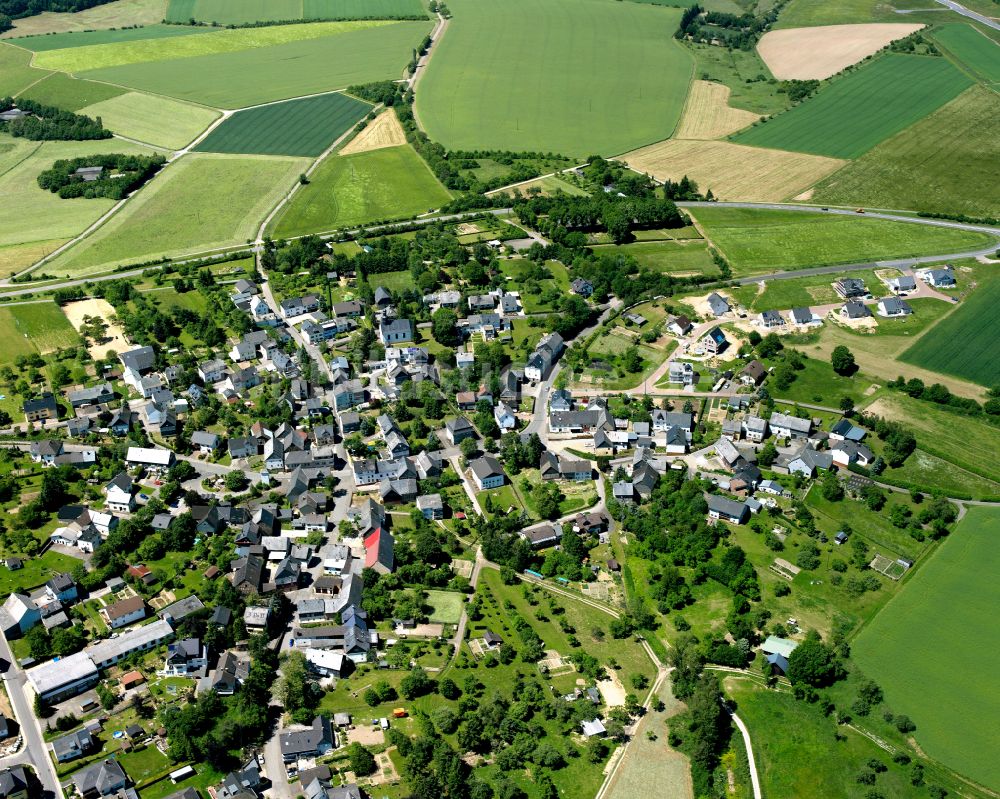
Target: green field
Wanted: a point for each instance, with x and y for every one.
(31, 214)
(396, 282)
(965, 344)
(949, 162)
(364, 52)
(35, 328)
(60, 41)
(976, 51)
(297, 127)
(103, 56)
(782, 294)
(853, 113)
(666, 256)
(392, 183)
(36, 572)
(71, 94)
(807, 13)
(965, 441)
(511, 76)
(765, 240)
(161, 121)
(199, 202)
(15, 73)
(447, 606)
(945, 616)
(237, 12)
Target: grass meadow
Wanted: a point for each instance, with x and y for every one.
(965, 344)
(973, 49)
(948, 162)
(512, 76)
(807, 291)
(670, 257)
(362, 52)
(392, 183)
(807, 13)
(70, 94)
(108, 15)
(103, 56)
(38, 328)
(853, 113)
(764, 240)
(61, 41)
(15, 72)
(200, 202)
(298, 127)
(237, 12)
(160, 121)
(926, 649)
(447, 606)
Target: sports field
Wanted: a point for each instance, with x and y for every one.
(975, 50)
(70, 94)
(364, 52)
(199, 202)
(513, 75)
(29, 214)
(297, 127)
(949, 162)
(109, 15)
(965, 344)
(237, 12)
(60, 41)
(103, 56)
(733, 171)
(157, 120)
(926, 649)
(765, 240)
(853, 113)
(391, 183)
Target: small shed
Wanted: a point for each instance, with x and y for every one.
(131, 679)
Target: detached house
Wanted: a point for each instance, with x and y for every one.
(487, 472)
(119, 493)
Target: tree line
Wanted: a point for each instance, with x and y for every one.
(48, 123)
(132, 171)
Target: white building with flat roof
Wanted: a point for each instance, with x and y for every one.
(63, 677)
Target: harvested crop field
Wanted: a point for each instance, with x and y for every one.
(201, 201)
(102, 17)
(733, 171)
(949, 162)
(974, 49)
(15, 257)
(98, 308)
(160, 121)
(104, 56)
(383, 131)
(294, 69)
(238, 12)
(949, 606)
(756, 240)
(70, 94)
(569, 76)
(708, 115)
(819, 53)
(853, 113)
(303, 127)
(965, 344)
(391, 183)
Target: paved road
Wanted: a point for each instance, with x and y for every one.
(33, 751)
(965, 12)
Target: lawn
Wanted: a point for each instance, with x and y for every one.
(67, 39)
(237, 12)
(396, 282)
(855, 112)
(947, 607)
(37, 571)
(70, 94)
(511, 76)
(362, 52)
(948, 162)
(503, 499)
(964, 344)
(671, 257)
(818, 384)
(200, 202)
(975, 50)
(15, 72)
(392, 183)
(31, 214)
(764, 240)
(119, 54)
(447, 606)
(965, 441)
(157, 120)
(304, 127)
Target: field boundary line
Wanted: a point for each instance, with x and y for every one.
(35, 83)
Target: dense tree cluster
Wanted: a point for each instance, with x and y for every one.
(122, 175)
(561, 214)
(48, 123)
(734, 31)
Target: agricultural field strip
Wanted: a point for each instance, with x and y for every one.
(972, 48)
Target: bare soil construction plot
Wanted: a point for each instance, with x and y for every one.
(384, 131)
(115, 337)
(818, 53)
(708, 115)
(734, 171)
